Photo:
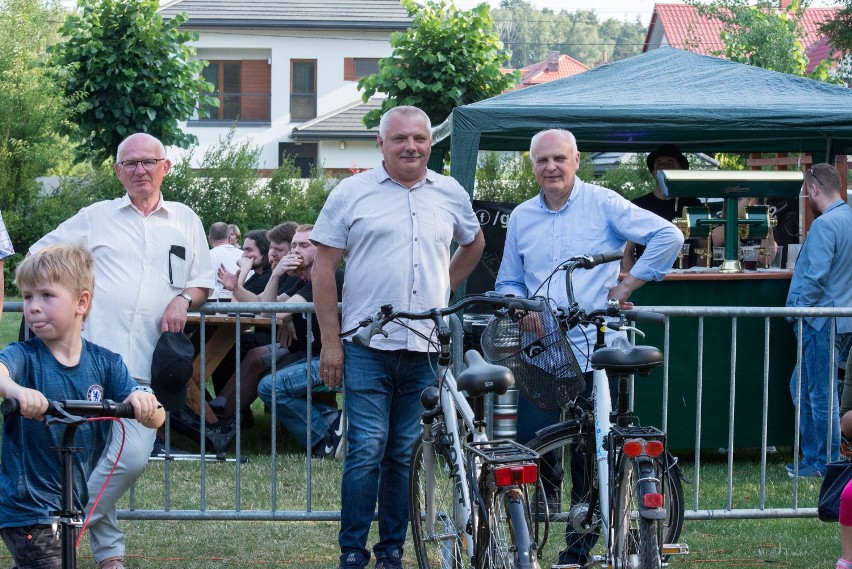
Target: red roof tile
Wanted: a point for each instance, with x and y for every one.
(538, 73)
(680, 26)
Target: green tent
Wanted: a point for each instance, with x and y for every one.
(701, 103)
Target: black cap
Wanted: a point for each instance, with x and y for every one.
(667, 150)
(171, 368)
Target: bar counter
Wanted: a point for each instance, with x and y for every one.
(709, 287)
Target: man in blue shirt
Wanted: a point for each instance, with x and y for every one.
(570, 217)
(822, 277)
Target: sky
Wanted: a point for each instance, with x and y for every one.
(605, 9)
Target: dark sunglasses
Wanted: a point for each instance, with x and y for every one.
(814, 176)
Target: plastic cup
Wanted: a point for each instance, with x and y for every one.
(792, 254)
(718, 256)
(775, 263)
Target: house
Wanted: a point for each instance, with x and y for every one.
(556, 66)
(680, 26)
(290, 64)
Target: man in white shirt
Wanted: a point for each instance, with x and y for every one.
(224, 254)
(152, 265)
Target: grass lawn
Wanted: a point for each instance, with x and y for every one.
(190, 544)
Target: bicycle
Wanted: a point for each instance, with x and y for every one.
(469, 496)
(631, 490)
(71, 413)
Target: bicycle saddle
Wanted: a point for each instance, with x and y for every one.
(482, 377)
(634, 359)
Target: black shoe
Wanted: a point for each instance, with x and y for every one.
(333, 439)
(247, 419)
(220, 435)
(159, 449)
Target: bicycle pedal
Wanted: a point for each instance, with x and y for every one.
(675, 549)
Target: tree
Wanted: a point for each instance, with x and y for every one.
(134, 72)
(448, 57)
(839, 29)
(32, 112)
(763, 36)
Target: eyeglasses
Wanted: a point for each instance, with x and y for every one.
(149, 164)
(814, 176)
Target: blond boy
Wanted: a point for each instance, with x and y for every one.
(58, 364)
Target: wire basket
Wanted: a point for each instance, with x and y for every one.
(534, 347)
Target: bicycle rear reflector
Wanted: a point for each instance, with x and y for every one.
(652, 500)
(515, 474)
(637, 447)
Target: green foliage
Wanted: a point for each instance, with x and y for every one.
(448, 57)
(530, 33)
(289, 197)
(630, 180)
(763, 36)
(133, 71)
(508, 177)
(226, 187)
(32, 112)
(839, 29)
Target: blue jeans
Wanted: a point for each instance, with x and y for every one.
(818, 380)
(291, 405)
(382, 394)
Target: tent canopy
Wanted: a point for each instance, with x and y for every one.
(701, 103)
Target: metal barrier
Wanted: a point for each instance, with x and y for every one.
(694, 510)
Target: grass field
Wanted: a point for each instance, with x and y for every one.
(189, 544)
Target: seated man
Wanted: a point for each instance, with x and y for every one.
(224, 255)
(256, 256)
(291, 383)
(256, 346)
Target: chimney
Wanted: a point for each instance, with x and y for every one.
(552, 60)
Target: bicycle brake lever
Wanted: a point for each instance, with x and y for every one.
(635, 329)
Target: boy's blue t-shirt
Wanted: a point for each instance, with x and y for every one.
(30, 477)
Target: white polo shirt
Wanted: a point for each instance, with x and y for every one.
(226, 255)
(138, 271)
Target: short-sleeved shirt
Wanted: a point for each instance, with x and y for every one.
(141, 264)
(30, 477)
(6, 248)
(396, 242)
(224, 255)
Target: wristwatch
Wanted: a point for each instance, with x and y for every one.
(188, 299)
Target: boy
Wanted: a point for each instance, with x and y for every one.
(57, 285)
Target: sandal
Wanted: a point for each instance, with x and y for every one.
(112, 563)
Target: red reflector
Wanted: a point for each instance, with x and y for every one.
(632, 448)
(515, 475)
(653, 500)
(654, 448)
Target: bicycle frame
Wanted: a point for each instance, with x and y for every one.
(602, 412)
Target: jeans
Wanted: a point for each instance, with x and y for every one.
(532, 419)
(382, 393)
(818, 380)
(291, 405)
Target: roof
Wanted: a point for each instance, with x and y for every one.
(680, 26)
(345, 122)
(538, 73)
(666, 95)
(301, 14)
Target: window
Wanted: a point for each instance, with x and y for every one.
(356, 67)
(303, 89)
(304, 155)
(243, 89)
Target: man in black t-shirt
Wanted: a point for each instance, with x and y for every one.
(666, 157)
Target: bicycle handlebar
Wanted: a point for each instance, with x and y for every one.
(590, 261)
(373, 325)
(643, 316)
(106, 408)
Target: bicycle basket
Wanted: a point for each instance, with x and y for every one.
(534, 347)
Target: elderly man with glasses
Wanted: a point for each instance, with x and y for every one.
(822, 277)
(152, 265)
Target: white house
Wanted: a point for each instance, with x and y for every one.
(292, 64)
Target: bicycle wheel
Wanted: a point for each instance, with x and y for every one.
(567, 474)
(635, 539)
(507, 532)
(568, 441)
(438, 542)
